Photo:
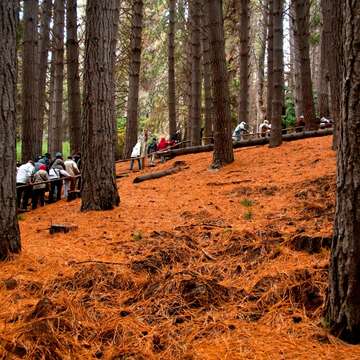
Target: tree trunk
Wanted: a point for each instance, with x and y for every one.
(30, 86)
(278, 77)
(171, 68)
(270, 61)
(56, 119)
(208, 133)
(244, 62)
(43, 67)
(99, 189)
(73, 78)
(344, 291)
(223, 150)
(195, 16)
(134, 78)
(261, 63)
(332, 15)
(323, 96)
(302, 13)
(9, 229)
(298, 101)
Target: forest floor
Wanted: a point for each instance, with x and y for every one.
(228, 264)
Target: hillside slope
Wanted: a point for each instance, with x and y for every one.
(228, 264)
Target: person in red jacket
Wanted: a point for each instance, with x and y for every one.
(163, 144)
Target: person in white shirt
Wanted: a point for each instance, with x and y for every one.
(264, 128)
(72, 169)
(23, 177)
(239, 131)
(135, 154)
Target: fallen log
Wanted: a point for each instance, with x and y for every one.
(159, 174)
(250, 142)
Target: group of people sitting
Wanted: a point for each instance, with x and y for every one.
(44, 174)
(151, 148)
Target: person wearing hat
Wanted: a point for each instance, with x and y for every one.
(57, 170)
(38, 193)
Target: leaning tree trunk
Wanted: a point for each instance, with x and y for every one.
(332, 15)
(270, 62)
(244, 61)
(73, 78)
(323, 97)
(99, 190)
(171, 68)
(223, 150)
(208, 133)
(344, 291)
(43, 67)
(30, 86)
(134, 78)
(302, 14)
(56, 119)
(278, 77)
(195, 16)
(9, 229)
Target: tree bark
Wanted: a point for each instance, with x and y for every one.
(134, 78)
(333, 19)
(270, 61)
(171, 68)
(208, 131)
(56, 119)
(297, 94)
(43, 67)
(323, 96)
(278, 75)
(223, 150)
(343, 309)
(244, 61)
(302, 13)
(9, 229)
(73, 77)
(195, 16)
(30, 86)
(261, 63)
(99, 189)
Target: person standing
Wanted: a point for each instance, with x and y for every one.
(135, 155)
(72, 169)
(23, 178)
(38, 193)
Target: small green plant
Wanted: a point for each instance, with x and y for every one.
(247, 202)
(248, 215)
(137, 235)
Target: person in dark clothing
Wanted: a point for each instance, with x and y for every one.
(55, 173)
(151, 150)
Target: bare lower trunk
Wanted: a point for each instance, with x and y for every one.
(244, 62)
(134, 78)
(9, 229)
(99, 190)
(195, 14)
(208, 133)
(270, 61)
(302, 8)
(30, 86)
(343, 309)
(43, 67)
(278, 77)
(171, 68)
(56, 122)
(223, 150)
(73, 78)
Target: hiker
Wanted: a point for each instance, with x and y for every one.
(151, 150)
(38, 191)
(264, 128)
(163, 144)
(135, 154)
(57, 170)
(300, 124)
(239, 131)
(23, 177)
(72, 169)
